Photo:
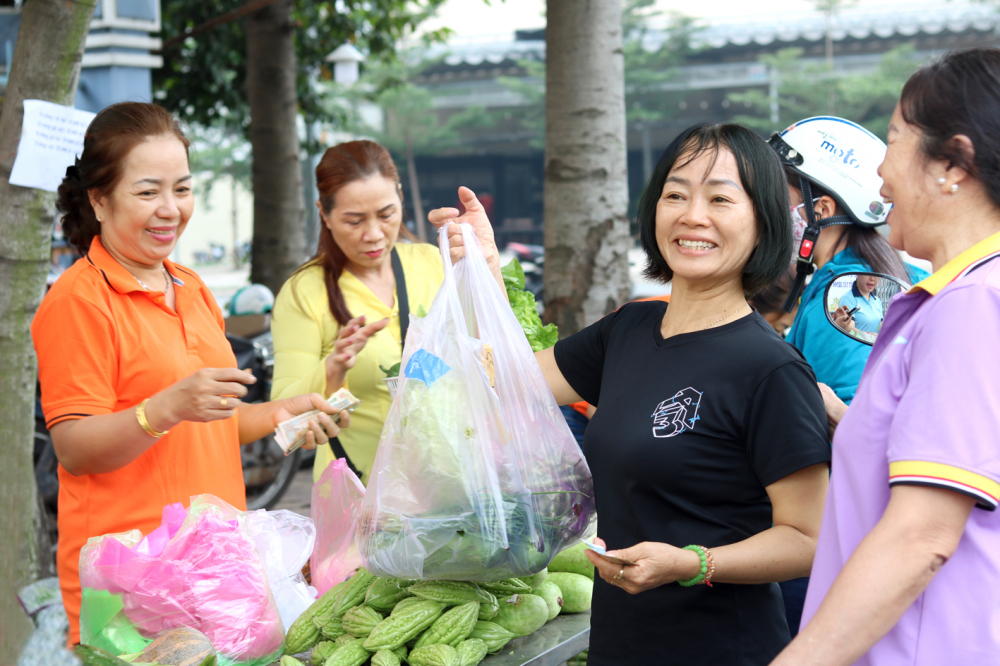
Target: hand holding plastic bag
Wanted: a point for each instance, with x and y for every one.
(336, 507)
(477, 475)
(199, 569)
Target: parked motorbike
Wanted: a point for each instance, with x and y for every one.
(215, 254)
(532, 260)
(267, 471)
(242, 251)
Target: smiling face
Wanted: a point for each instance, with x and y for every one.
(705, 223)
(365, 220)
(150, 205)
(867, 284)
(910, 186)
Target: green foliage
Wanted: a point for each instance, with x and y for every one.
(530, 116)
(523, 304)
(646, 71)
(832, 7)
(870, 99)
(216, 153)
(411, 121)
(803, 91)
(203, 78)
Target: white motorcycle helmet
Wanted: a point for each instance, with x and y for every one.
(842, 158)
(250, 300)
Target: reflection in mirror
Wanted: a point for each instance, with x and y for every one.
(856, 303)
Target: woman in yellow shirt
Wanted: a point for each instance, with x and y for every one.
(352, 280)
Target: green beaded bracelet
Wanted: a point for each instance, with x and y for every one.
(700, 578)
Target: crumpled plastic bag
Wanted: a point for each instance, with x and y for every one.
(285, 540)
(335, 508)
(477, 475)
(199, 569)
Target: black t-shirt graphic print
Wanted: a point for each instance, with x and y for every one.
(688, 433)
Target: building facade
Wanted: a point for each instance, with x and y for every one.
(505, 159)
(120, 52)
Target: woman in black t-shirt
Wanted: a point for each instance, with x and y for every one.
(710, 431)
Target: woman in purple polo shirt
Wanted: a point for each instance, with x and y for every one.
(907, 569)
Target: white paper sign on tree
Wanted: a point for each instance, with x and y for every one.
(51, 139)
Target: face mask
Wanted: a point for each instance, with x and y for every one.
(798, 224)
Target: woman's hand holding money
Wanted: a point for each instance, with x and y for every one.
(322, 428)
(350, 341)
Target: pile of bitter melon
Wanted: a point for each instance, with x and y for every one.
(390, 621)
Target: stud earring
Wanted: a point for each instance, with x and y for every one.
(942, 180)
(954, 188)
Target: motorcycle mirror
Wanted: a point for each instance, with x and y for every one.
(856, 303)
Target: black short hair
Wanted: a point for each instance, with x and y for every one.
(763, 179)
(959, 94)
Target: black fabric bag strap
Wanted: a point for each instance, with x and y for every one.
(401, 296)
(404, 321)
(339, 452)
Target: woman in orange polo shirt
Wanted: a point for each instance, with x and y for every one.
(132, 347)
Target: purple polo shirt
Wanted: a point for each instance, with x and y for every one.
(927, 412)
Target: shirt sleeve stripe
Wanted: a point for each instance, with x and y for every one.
(64, 417)
(915, 472)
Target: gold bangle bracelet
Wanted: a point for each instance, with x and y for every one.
(140, 414)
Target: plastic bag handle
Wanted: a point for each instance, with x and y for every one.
(445, 247)
(450, 285)
(473, 250)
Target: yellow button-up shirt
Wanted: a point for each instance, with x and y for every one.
(305, 331)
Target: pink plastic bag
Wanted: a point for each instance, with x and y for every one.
(199, 569)
(336, 505)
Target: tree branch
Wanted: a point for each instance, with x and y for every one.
(248, 8)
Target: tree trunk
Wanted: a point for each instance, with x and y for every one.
(46, 66)
(418, 204)
(233, 186)
(279, 235)
(586, 179)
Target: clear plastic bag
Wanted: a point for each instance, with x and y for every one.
(336, 506)
(199, 569)
(285, 540)
(477, 475)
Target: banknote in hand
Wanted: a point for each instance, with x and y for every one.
(291, 434)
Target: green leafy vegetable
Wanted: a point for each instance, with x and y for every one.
(390, 372)
(523, 304)
(513, 276)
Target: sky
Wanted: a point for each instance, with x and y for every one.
(474, 18)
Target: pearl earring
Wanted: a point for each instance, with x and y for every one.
(942, 180)
(954, 188)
